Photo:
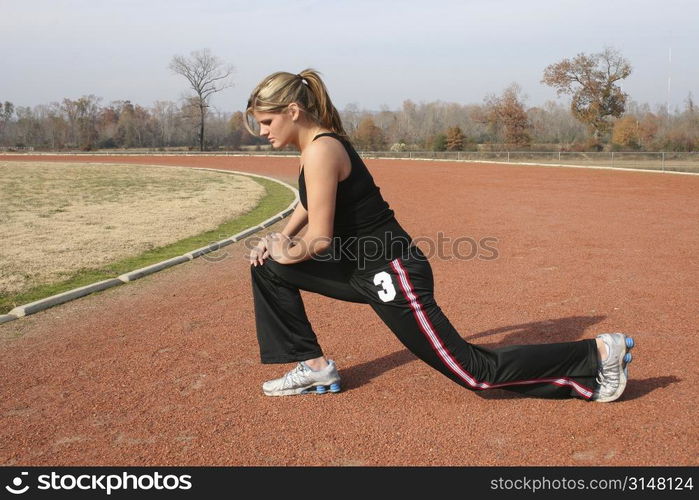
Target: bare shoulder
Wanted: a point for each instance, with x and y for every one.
(326, 154)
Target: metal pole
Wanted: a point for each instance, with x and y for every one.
(508, 157)
(662, 160)
(612, 159)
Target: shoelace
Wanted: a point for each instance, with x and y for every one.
(605, 377)
(602, 378)
(294, 376)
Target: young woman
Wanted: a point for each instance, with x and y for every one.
(353, 249)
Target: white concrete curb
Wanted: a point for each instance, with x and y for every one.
(4, 318)
(54, 300)
(60, 298)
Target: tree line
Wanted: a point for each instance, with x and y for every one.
(599, 116)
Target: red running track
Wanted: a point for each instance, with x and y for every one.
(165, 370)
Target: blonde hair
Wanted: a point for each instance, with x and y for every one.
(278, 90)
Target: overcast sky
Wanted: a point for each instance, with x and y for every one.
(370, 52)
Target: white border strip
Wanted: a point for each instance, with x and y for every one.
(54, 300)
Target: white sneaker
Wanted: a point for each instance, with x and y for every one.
(303, 380)
(612, 373)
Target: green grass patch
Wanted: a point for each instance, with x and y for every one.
(276, 199)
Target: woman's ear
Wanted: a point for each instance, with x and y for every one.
(294, 111)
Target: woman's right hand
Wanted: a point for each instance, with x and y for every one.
(259, 253)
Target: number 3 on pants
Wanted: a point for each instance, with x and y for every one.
(388, 291)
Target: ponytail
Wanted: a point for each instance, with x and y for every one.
(278, 90)
(327, 114)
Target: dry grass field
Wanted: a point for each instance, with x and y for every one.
(58, 218)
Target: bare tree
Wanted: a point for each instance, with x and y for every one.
(164, 113)
(351, 116)
(206, 75)
(6, 112)
(555, 124)
(87, 111)
(237, 132)
(70, 110)
(26, 126)
(591, 80)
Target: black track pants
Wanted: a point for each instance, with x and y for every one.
(401, 293)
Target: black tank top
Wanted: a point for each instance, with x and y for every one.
(365, 228)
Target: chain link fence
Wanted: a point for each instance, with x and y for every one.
(662, 161)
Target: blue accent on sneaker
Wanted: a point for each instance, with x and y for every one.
(629, 342)
(628, 358)
(323, 389)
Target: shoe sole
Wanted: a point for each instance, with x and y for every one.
(628, 357)
(624, 373)
(333, 388)
(323, 389)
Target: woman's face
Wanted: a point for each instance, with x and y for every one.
(278, 128)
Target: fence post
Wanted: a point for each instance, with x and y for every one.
(612, 159)
(662, 160)
(559, 157)
(508, 157)
(458, 156)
